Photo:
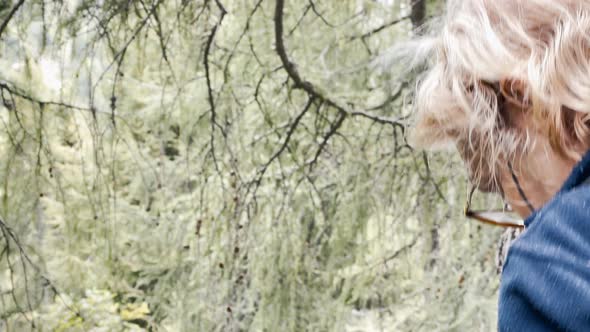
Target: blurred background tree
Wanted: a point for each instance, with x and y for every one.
(226, 165)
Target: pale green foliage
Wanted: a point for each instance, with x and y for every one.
(97, 307)
(153, 202)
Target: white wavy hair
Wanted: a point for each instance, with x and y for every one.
(535, 53)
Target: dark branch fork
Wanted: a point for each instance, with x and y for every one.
(308, 87)
(313, 92)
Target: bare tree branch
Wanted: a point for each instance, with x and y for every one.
(9, 234)
(15, 91)
(308, 87)
(333, 128)
(8, 18)
(307, 9)
(381, 28)
(314, 9)
(287, 64)
(292, 128)
(237, 43)
(211, 99)
(396, 122)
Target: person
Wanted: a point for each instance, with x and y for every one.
(507, 83)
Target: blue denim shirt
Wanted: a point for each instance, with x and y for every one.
(545, 283)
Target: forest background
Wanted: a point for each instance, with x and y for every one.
(227, 165)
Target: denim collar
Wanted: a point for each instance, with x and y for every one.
(580, 173)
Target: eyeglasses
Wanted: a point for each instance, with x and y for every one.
(499, 217)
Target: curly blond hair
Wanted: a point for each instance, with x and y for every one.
(484, 53)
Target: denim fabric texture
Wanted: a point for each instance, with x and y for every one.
(545, 283)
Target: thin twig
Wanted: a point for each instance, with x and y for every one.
(211, 99)
(8, 233)
(380, 28)
(312, 5)
(15, 91)
(333, 128)
(292, 128)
